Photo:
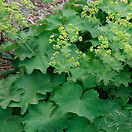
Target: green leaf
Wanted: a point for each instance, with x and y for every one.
(89, 82)
(9, 123)
(77, 73)
(123, 77)
(57, 79)
(38, 28)
(81, 2)
(64, 65)
(6, 55)
(95, 42)
(112, 62)
(95, 66)
(54, 22)
(76, 21)
(106, 76)
(129, 62)
(35, 85)
(113, 119)
(122, 92)
(123, 8)
(39, 61)
(36, 62)
(41, 117)
(93, 29)
(8, 46)
(23, 51)
(128, 107)
(9, 92)
(119, 56)
(43, 41)
(68, 12)
(82, 75)
(86, 105)
(80, 124)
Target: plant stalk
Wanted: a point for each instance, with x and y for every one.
(28, 47)
(55, 6)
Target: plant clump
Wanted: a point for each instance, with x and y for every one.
(72, 71)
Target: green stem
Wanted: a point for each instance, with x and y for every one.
(55, 6)
(28, 47)
(68, 3)
(69, 74)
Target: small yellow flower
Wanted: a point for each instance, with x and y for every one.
(50, 63)
(52, 58)
(70, 25)
(80, 38)
(50, 40)
(91, 49)
(76, 28)
(51, 36)
(77, 63)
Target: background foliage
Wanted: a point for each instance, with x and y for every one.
(72, 71)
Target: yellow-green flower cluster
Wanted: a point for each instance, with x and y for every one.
(117, 26)
(117, 20)
(91, 11)
(28, 4)
(73, 34)
(62, 45)
(120, 35)
(12, 14)
(124, 1)
(123, 22)
(102, 47)
(123, 38)
(95, 3)
(127, 48)
(80, 54)
(117, 1)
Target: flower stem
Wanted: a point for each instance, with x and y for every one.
(55, 6)
(28, 47)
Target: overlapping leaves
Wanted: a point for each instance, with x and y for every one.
(40, 117)
(35, 86)
(114, 119)
(9, 92)
(9, 123)
(40, 57)
(81, 104)
(79, 124)
(94, 96)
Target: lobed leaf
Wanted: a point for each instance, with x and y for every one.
(114, 119)
(9, 92)
(80, 124)
(40, 117)
(86, 105)
(9, 123)
(35, 86)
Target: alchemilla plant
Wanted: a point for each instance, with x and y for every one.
(72, 71)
